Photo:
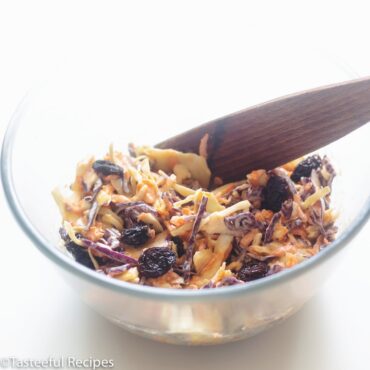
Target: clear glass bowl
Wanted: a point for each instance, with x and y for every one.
(71, 117)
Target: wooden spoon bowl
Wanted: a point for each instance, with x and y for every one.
(278, 131)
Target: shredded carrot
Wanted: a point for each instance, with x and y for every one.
(95, 233)
(248, 238)
(258, 178)
(264, 215)
(279, 232)
(159, 204)
(300, 231)
(290, 260)
(290, 166)
(329, 217)
(187, 211)
(226, 190)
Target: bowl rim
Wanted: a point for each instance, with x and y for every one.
(68, 264)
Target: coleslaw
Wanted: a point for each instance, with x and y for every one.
(157, 217)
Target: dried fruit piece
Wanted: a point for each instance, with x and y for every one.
(80, 255)
(180, 249)
(275, 193)
(305, 167)
(156, 261)
(106, 168)
(135, 236)
(123, 209)
(253, 270)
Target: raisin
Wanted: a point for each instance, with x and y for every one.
(136, 235)
(80, 254)
(253, 270)
(156, 261)
(106, 168)
(179, 246)
(275, 193)
(305, 167)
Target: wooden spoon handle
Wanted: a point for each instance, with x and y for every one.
(273, 133)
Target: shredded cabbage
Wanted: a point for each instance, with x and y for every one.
(152, 218)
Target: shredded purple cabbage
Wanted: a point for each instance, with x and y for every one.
(294, 223)
(113, 255)
(330, 232)
(170, 196)
(94, 206)
(274, 270)
(117, 270)
(209, 285)
(329, 167)
(317, 218)
(242, 223)
(63, 234)
(287, 209)
(228, 281)
(237, 250)
(111, 238)
(130, 212)
(189, 251)
(307, 190)
(271, 227)
(92, 214)
(254, 194)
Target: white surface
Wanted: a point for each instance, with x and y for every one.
(39, 314)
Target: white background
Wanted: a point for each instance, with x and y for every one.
(39, 315)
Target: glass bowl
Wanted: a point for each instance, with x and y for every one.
(73, 116)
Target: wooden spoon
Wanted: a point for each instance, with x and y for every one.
(278, 131)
